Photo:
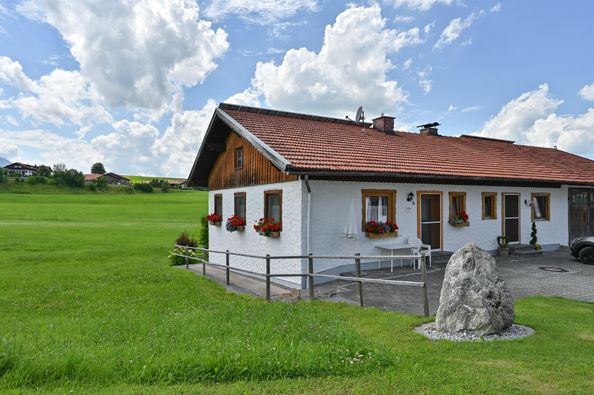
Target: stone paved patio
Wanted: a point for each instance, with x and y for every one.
(521, 274)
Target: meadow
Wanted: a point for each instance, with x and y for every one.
(89, 303)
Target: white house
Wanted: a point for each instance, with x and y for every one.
(307, 171)
(21, 169)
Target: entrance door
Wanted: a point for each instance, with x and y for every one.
(511, 217)
(429, 218)
(581, 213)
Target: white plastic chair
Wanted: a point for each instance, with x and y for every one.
(419, 247)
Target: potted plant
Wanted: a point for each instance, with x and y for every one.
(375, 230)
(214, 219)
(459, 220)
(268, 227)
(503, 249)
(234, 223)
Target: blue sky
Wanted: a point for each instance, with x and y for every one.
(135, 87)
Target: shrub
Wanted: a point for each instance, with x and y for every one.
(164, 187)
(533, 238)
(101, 183)
(44, 171)
(203, 240)
(146, 188)
(69, 177)
(32, 180)
(92, 187)
(184, 239)
(3, 175)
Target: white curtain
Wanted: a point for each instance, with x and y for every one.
(377, 208)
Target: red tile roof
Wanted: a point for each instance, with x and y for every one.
(92, 177)
(326, 144)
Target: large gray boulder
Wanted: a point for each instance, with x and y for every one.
(473, 296)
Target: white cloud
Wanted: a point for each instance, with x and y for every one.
(452, 108)
(472, 108)
(496, 8)
(179, 145)
(248, 97)
(407, 63)
(59, 97)
(350, 69)
(587, 92)
(9, 150)
(11, 73)
(404, 19)
(424, 82)
(259, 12)
(420, 5)
(135, 54)
(531, 119)
(453, 30)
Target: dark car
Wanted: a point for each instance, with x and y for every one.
(583, 249)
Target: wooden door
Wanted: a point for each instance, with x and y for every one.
(511, 217)
(430, 219)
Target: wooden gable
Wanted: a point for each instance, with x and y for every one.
(255, 170)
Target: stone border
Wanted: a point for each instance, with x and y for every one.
(513, 332)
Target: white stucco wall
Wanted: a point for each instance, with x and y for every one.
(249, 242)
(331, 201)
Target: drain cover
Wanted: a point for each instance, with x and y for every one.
(552, 269)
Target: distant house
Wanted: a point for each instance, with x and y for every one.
(182, 184)
(112, 178)
(310, 172)
(21, 169)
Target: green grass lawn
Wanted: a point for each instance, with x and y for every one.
(88, 303)
(139, 179)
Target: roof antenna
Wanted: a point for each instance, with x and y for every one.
(360, 115)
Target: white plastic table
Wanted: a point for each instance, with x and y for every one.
(393, 246)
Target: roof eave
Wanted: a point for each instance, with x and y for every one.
(418, 177)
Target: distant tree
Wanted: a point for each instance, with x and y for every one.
(101, 182)
(59, 168)
(3, 175)
(98, 168)
(44, 171)
(70, 177)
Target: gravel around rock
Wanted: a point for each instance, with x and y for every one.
(513, 332)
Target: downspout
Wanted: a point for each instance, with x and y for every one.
(307, 227)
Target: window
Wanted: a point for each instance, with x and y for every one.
(238, 158)
(457, 204)
(218, 204)
(378, 205)
(541, 206)
(239, 204)
(489, 205)
(273, 204)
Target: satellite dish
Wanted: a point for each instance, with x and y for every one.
(360, 115)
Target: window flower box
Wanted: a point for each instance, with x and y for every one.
(268, 227)
(377, 230)
(380, 235)
(459, 220)
(235, 223)
(214, 219)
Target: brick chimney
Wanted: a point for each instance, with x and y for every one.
(384, 124)
(429, 129)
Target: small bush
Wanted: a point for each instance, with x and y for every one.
(92, 187)
(184, 239)
(146, 188)
(32, 180)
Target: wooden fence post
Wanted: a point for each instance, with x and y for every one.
(268, 277)
(310, 278)
(358, 274)
(227, 267)
(424, 279)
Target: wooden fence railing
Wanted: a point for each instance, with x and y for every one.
(311, 275)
